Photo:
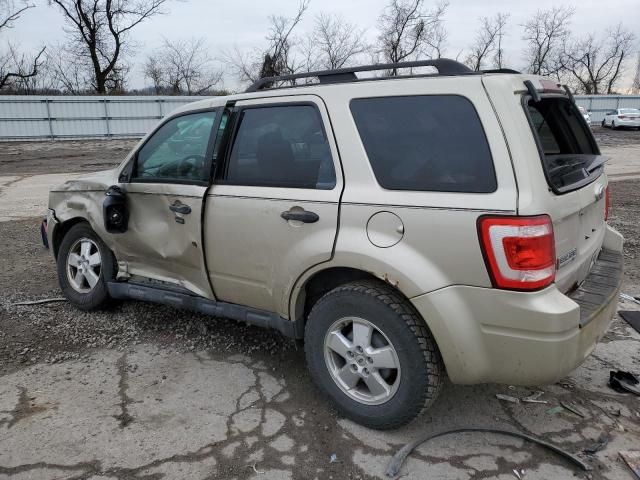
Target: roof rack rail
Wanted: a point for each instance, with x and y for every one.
(445, 66)
(501, 70)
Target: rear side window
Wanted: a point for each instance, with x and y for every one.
(570, 156)
(425, 143)
(281, 146)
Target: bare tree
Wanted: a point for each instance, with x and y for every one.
(488, 42)
(498, 56)
(407, 28)
(67, 75)
(99, 32)
(277, 57)
(596, 64)
(10, 12)
(436, 42)
(182, 67)
(545, 36)
(635, 88)
(16, 68)
(337, 41)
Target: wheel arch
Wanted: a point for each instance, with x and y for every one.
(320, 282)
(61, 230)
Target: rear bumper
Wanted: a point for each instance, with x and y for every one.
(628, 123)
(533, 338)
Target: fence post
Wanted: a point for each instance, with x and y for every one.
(159, 107)
(49, 119)
(106, 117)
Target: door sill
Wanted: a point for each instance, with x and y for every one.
(194, 303)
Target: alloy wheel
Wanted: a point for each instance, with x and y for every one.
(84, 265)
(362, 361)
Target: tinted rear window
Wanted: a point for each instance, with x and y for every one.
(425, 143)
(569, 152)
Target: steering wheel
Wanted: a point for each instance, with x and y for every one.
(183, 167)
(186, 168)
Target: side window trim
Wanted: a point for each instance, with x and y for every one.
(127, 172)
(233, 127)
(212, 167)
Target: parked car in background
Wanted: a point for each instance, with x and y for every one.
(585, 114)
(622, 118)
(408, 230)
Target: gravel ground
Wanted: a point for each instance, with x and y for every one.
(57, 331)
(63, 156)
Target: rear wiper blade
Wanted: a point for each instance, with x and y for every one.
(597, 162)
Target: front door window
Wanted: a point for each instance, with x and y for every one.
(178, 150)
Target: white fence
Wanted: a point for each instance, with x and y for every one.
(53, 117)
(50, 118)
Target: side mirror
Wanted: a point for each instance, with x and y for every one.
(114, 210)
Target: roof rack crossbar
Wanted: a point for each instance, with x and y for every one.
(445, 66)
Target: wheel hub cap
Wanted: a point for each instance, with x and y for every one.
(362, 361)
(84, 265)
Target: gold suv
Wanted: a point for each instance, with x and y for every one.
(406, 228)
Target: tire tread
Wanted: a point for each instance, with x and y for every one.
(405, 311)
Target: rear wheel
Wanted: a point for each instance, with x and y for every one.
(85, 265)
(369, 351)
(613, 125)
(603, 124)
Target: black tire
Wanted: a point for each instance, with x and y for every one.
(613, 125)
(421, 366)
(603, 124)
(98, 296)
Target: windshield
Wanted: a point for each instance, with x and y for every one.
(570, 156)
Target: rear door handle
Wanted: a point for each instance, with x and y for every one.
(179, 207)
(303, 216)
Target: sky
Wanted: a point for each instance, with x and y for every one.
(225, 24)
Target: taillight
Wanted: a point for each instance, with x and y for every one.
(606, 203)
(519, 251)
(621, 117)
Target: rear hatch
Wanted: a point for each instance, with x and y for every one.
(576, 197)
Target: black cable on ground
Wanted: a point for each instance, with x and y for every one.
(395, 464)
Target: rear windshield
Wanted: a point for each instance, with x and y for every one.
(425, 143)
(570, 156)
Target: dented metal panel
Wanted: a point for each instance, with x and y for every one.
(161, 244)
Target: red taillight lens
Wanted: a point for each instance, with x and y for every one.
(519, 251)
(606, 203)
(621, 117)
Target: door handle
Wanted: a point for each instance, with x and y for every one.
(303, 216)
(179, 207)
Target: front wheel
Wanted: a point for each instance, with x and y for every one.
(369, 351)
(85, 265)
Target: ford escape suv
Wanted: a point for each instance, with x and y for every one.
(407, 228)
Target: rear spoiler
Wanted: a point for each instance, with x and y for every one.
(548, 86)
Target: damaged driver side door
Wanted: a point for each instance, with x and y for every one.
(165, 184)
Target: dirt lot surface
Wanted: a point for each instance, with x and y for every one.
(146, 392)
(68, 156)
